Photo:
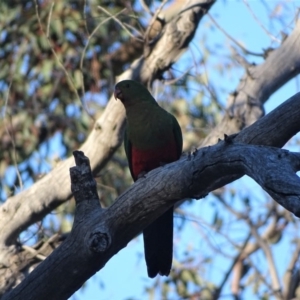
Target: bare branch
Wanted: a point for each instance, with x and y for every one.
(246, 51)
(25, 208)
(272, 230)
(70, 81)
(98, 234)
(257, 85)
(114, 17)
(266, 130)
(260, 23)
(276, 288)
(291, 277)
(218, 291)
(84, 52)
(244, 106)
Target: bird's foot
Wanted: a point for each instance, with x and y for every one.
(142, 174)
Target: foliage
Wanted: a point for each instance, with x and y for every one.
(57, 70)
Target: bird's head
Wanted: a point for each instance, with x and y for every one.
(131, 92)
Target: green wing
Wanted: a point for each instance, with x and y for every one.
(177, 134)
(127, 146)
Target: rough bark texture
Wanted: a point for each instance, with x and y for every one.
(245, 104)
(31, 205)
(93, 242)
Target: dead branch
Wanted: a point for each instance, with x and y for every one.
(31, 205)
(245, 104)
(98, 234)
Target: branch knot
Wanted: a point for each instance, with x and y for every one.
(99, 242)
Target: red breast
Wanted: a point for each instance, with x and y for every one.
(147, 160)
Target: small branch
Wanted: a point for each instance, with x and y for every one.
(259, 274)
(145, 7)
(49, 19)
(246, 51)
(9, 132)
(252, 247)
(83, 55)
(260, 23)
(85, 18)
(245, 104)
(154, 19)
(291, 277)
(218, 291)
(69, 79)
(118, 21)
(276, 288)
(34, 252)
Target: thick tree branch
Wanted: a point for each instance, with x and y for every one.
(273, 133)
(245, 104)
(22, 210)
(31, 205)
(98, 234)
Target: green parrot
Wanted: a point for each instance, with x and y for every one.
(152, 138)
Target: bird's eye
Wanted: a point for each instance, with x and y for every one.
(127, 85)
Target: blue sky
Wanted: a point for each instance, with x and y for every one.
(124, 276)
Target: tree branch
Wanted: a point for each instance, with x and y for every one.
(291, 277)
(245, 104)
(99, 234)
(31, 205)
(267, 235)
(276, 289)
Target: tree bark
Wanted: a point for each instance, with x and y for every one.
(31, 205)
(98, 234)
(245, 104)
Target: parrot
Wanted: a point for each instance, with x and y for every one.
(152, 138)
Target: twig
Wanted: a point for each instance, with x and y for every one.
(258, 273)
(260, 23)
(276, 288)
(49, 19)
(52, 49)
(14, 154)
(85, 19)
(11, 135)
(119, 22)
(289, 285)
(205, 81)
(83, 55)
(218, 291)
(153, 21)
(174, 80)
(246, 51)
(34, 252)
(193, 218)
(146, 7)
